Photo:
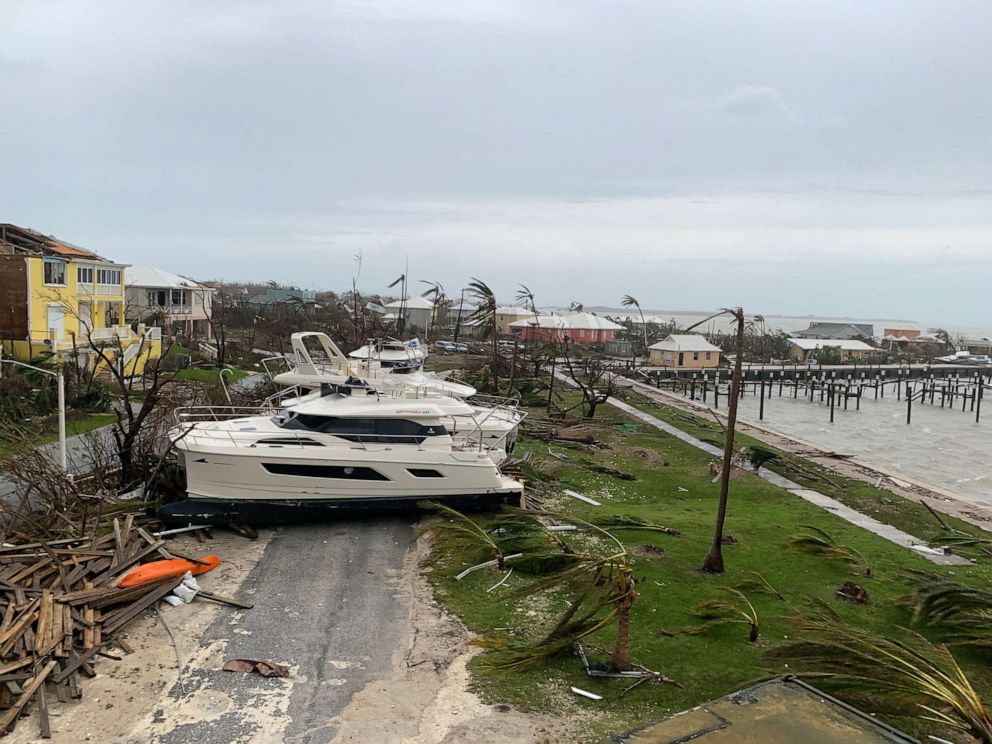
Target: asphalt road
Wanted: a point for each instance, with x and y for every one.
(328, 603)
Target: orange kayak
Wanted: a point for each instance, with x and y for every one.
(174, 567)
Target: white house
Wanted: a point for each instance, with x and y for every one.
(180, 303)
(418, 312)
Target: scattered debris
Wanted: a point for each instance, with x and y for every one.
(166, 569)
(493, 562)
(265, 668)
(683, 490)
(927, 550)
(613, 472)
(561, 528)
(580, 497)
(853, 593)
(501, 581)
(728, 540)
(587, 694)
(651, 550)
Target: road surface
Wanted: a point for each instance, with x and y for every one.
(328, 603)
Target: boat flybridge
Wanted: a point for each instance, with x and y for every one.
(391, 353)
(350, 448)
(316, 360)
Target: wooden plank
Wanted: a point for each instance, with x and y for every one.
(123, 616)
(43, 722)
(26, 694)
(9, 638)
(74, 664)
(225, 600)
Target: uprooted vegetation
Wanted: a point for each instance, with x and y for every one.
(764, 585)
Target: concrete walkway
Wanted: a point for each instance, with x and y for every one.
(76, 449)
(846, 513)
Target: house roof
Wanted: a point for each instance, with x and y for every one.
(577, 321)
(414, 303)
(836, 330)
(514, 310)
(684, 342)
(149, 276)
(811, 344)
(16, 239)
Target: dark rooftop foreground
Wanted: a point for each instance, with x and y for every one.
(780, 711)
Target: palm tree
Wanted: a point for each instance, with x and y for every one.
(629, 301)
(904, 670)
(713, 563)
(484, 318)
(438, 298)
(401, 322)
(945, 338)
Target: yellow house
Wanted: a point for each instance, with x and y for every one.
(687, 351)
(58, 298)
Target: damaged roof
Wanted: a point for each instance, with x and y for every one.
(15, 239)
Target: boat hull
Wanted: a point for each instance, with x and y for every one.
(299, 511)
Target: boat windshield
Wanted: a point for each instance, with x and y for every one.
(389, 431)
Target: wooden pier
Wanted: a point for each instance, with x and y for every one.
(944, 386)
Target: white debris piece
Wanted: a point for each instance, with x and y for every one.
(587, 694)
(580, 497)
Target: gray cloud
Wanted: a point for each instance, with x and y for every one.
(257, 139)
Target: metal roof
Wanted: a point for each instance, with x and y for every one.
(684, 342)
(24, 240)
(149, 276)
(811, 344)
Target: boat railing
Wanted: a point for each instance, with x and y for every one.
(476, 429)
(194, 414)
(272, 360)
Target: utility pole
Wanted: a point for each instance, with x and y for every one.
(458, 318)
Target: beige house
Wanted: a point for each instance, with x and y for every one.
(805, 349)
(507, 314)
(687, 351)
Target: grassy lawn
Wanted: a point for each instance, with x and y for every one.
(880, 503)
(199, 374)
(75, 423)
(673, 488)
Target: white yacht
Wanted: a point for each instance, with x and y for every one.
(966, 357)
(390, 352)
(316, 360)
(346, 449)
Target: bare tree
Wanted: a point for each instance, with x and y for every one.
(597, 384)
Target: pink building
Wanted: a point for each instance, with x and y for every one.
(582, 328)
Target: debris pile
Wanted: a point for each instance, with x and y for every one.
(62, 608)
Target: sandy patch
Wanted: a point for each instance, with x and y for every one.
(425, 699)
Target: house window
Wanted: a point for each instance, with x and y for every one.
(695, 356)
(55, 272)
(84, 274)
(709, 355)
(179, 297)
(108, 276)
(582, 333)
(156, 298)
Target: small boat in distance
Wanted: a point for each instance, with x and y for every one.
(966, 357)
(393, 353)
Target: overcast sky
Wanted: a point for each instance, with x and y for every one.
(796, 157)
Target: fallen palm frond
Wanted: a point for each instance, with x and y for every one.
(905, 673)
(963, 613)
(758, 584)
(621, 522)
(760, 456)
(716, 612)
(603, 593)
(817, 542)
(966, 544)
(463, 532)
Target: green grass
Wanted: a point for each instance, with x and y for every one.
(76, 423)
(762, 518)
(198, 374)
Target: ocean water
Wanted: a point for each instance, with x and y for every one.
(941, 446)
(790, 324)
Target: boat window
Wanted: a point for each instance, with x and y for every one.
(390, 431)
(424, 473)
(342, 472)
(298, 441)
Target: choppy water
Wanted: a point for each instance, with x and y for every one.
(941, 446)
